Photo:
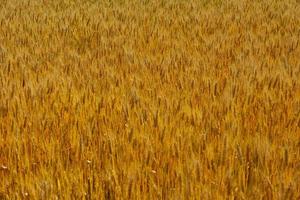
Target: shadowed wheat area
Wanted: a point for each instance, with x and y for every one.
(152, 99)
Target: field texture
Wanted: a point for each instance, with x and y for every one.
(150, 99)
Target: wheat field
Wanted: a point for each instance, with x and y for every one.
(150, 99)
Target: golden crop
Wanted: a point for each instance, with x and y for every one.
(149, 99)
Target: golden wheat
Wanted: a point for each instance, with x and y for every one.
(149, 99)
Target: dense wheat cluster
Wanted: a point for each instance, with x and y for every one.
(153, 99)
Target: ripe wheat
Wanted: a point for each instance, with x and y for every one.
(152, 99)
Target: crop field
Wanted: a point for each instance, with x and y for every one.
(150, 99)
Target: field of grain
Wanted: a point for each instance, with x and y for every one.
(150, 99)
